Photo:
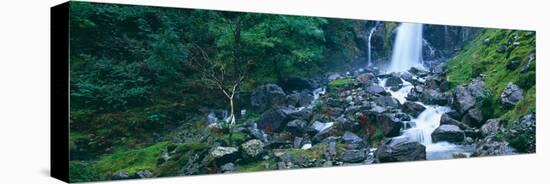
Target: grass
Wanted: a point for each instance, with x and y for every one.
(133, 160)
(341, 83)
(263, 165)
(481, 60)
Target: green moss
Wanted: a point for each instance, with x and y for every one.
(340, 83)
(82, 171)
(181, 158)
(235, 139)
(263, 165)
(133, 160)
(481, 59)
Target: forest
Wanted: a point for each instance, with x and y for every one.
(160, 92)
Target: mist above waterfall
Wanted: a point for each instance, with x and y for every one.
(407, 50)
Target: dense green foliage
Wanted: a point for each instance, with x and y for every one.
(487, 57)
(133, 76)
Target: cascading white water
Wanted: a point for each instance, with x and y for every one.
(407, 50)
(369, 55)
(425, 124)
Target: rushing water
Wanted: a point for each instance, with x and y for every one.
(407, 50)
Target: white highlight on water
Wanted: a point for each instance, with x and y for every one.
(407, 50)
(426, 123)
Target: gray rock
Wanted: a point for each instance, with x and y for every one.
(473, 118)
(224, 155)
(522, 135)
(296, 126)
(304, 114)
(387, 101)
(512, 65)
(144, 174)
(447, 120)
(366, 78)
(351, 138)
(501, 49)
(273, 119)
(120, 175)
(400, 149)
(413, 108)
(252, 149)
(300, 99)
(394, 81)
(376, 90)
(267, 96)
(228, 168)
(432, 97)
(511, 95)
(490, 146)
(490, 128)
(449, 133)
(354, 156)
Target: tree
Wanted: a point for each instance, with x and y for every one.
(225, 76)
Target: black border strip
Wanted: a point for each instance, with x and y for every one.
(59, 91)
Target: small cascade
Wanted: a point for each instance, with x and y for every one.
(371, 32)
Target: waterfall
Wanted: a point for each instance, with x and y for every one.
(425, 124)
(407, 50)
(371, 32)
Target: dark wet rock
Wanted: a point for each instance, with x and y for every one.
(227, 168)
(432, 97)
(376, 90)
(446, 119)
(267, 96)
(473, 118)
(354, 156)
(351, 138)
(224, 155)
(437, 83)
(415, 94)
(252, 149)
(418, 72)
(387, 101)
(296, 126)
(300, 99)
(490, 128)
(400, 149)
(298, 142)
(408, 77)
(512, 65)
(413, 108)
(274, 119)
(366, 78)
(144, 174)
(453, 114)
(304, 114)
(511, 95)
(491, 146)
(332, 102)
(501, 49)
(449, 133)
(296, 83)
(120, 175)
(390, 124)
(322, 130)
(394, 81)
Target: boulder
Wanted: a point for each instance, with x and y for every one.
(449, 133)
(300, 99)
(223, 155)
(414, 109)
(252, 149)
(490, 146)
(400, 149)
(463, 99)
(144, 174)
(415, 94)
(432, 97)
(387, 101)
(473, 118)
(490, 128)
(394, 81)
(296, 126)
(446, 119)
(512, 65)
(273, 119)
(267, 96)
(389, 123)
(511, 95)
(376, 90)
(228, 168)
(120, 175)
(351, 138)
(366, 78)
(354, 156)
(303, 114)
